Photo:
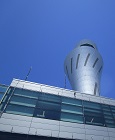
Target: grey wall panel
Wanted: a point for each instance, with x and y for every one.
(112, 138)
(98, 128)
(72, 130)
(22, 130)
(106, 138)
(111, 134)
(5, 128)
(105, 101)
(78, 136)
(32, 131)
(93, 137)
(14, 123)
(45, 126)
(95, 99)
(74, 125)
(43, 132)
(44, 121)
(111, 130)
(54, 128)
(65, 135)
(96, 132)
(112, 102)
(16, 117)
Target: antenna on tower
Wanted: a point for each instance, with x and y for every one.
(28, 73)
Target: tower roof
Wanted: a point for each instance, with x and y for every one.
(86, 42)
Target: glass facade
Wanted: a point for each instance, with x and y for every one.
(3, 89)
(55, 107)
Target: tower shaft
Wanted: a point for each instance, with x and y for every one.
(83, 67)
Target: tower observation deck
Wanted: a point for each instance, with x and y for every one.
(83, 67)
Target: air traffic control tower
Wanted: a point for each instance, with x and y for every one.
(83, 67)
(34, 111)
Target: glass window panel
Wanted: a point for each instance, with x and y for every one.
(107, 113)
(71, 101)
(113, 110)
(49, 97)
(49, 105)
(23, 101)
(106, 109)
(71, 109)
(108, 116)
(1, 95)
(109, 121)
(3, 88)
(110, 125)
(94, 120)
(10, 90)
(112, 107)
(113, 114)
(47, 114)
(92, 110)
(91, 105)
(105, 106)
(89, 113)
(26, 93)
(6, 97)
(2, 106)
(21, 110)
(72, 117)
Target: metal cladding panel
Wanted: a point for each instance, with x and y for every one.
(83, 68)
(52, 128)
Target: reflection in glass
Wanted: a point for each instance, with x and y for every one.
(110, 125)
(72, 117)
(92, 110)
(49, 105)
(71, 101)
(109, 121)
(50, 97)
(23, 101)
(21, 110)
(91, 105)
(26, 93)
(47, 114)
(94, 120)
(71, 109)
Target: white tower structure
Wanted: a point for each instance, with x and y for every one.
(83, 67)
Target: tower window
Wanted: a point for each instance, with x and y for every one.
(100, 69)
(77, 60)
(71, 64)
(67, 72)
(86, 59)
(95, 89)
(89, 45)
(95, 62)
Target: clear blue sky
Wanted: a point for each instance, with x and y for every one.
(40, 33)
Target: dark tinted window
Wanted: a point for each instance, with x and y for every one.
(47, 114)
(89, 45)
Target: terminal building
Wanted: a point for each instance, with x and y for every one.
(33, 111)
